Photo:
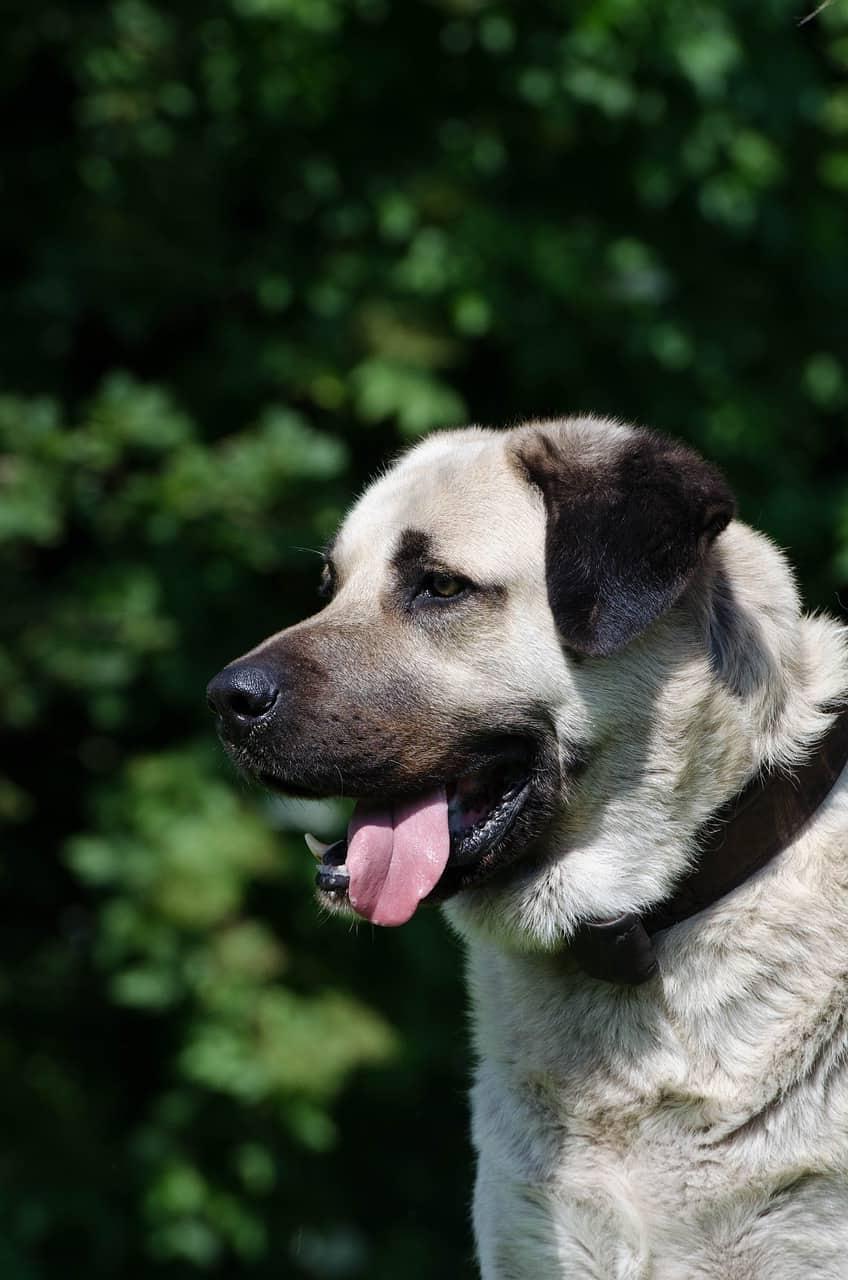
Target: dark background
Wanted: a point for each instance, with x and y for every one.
(250, 248)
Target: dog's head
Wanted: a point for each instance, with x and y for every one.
(513, 640)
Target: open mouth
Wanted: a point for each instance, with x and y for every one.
(482, 807)
(396, 853)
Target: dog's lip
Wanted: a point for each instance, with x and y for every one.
(489, 754)
(471, 842)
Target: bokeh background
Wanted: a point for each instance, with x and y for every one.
(251, 248)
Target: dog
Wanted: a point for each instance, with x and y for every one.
(580, 706)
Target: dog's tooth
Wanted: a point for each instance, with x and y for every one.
(315, 846)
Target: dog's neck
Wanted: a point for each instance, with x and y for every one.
(743, 837)
(767, 958)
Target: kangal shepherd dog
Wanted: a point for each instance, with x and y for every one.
(549, 665)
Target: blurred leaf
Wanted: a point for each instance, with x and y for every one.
(418, 400)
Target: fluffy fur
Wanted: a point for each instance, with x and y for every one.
(696, 1127)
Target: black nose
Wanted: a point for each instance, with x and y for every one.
(240, 695)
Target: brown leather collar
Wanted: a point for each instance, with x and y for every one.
(739, 839)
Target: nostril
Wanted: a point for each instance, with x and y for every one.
(251, 705)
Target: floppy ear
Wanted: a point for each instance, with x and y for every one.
(625, 534)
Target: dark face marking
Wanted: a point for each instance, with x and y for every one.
(428, 585)
(413, 554)
(625, 538)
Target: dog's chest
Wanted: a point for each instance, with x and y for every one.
(568, 1080)
(602, 1107)
(587, 1120)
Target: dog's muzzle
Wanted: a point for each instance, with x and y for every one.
(441, 804)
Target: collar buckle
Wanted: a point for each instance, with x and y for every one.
(618, 950)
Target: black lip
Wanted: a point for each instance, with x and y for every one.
(333, 876)
(470, 846)
(333, 880)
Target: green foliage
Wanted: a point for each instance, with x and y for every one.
(256, 248)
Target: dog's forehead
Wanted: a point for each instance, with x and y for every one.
(463, 490)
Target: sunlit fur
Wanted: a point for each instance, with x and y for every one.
(696, 1126)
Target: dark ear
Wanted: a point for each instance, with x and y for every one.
(625, 533)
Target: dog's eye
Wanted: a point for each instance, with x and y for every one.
(327, 583)
(443, 586)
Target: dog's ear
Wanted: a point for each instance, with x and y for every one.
(625, 533)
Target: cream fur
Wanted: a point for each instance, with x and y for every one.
(695, 1127)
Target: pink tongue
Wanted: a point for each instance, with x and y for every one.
(396, 856)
